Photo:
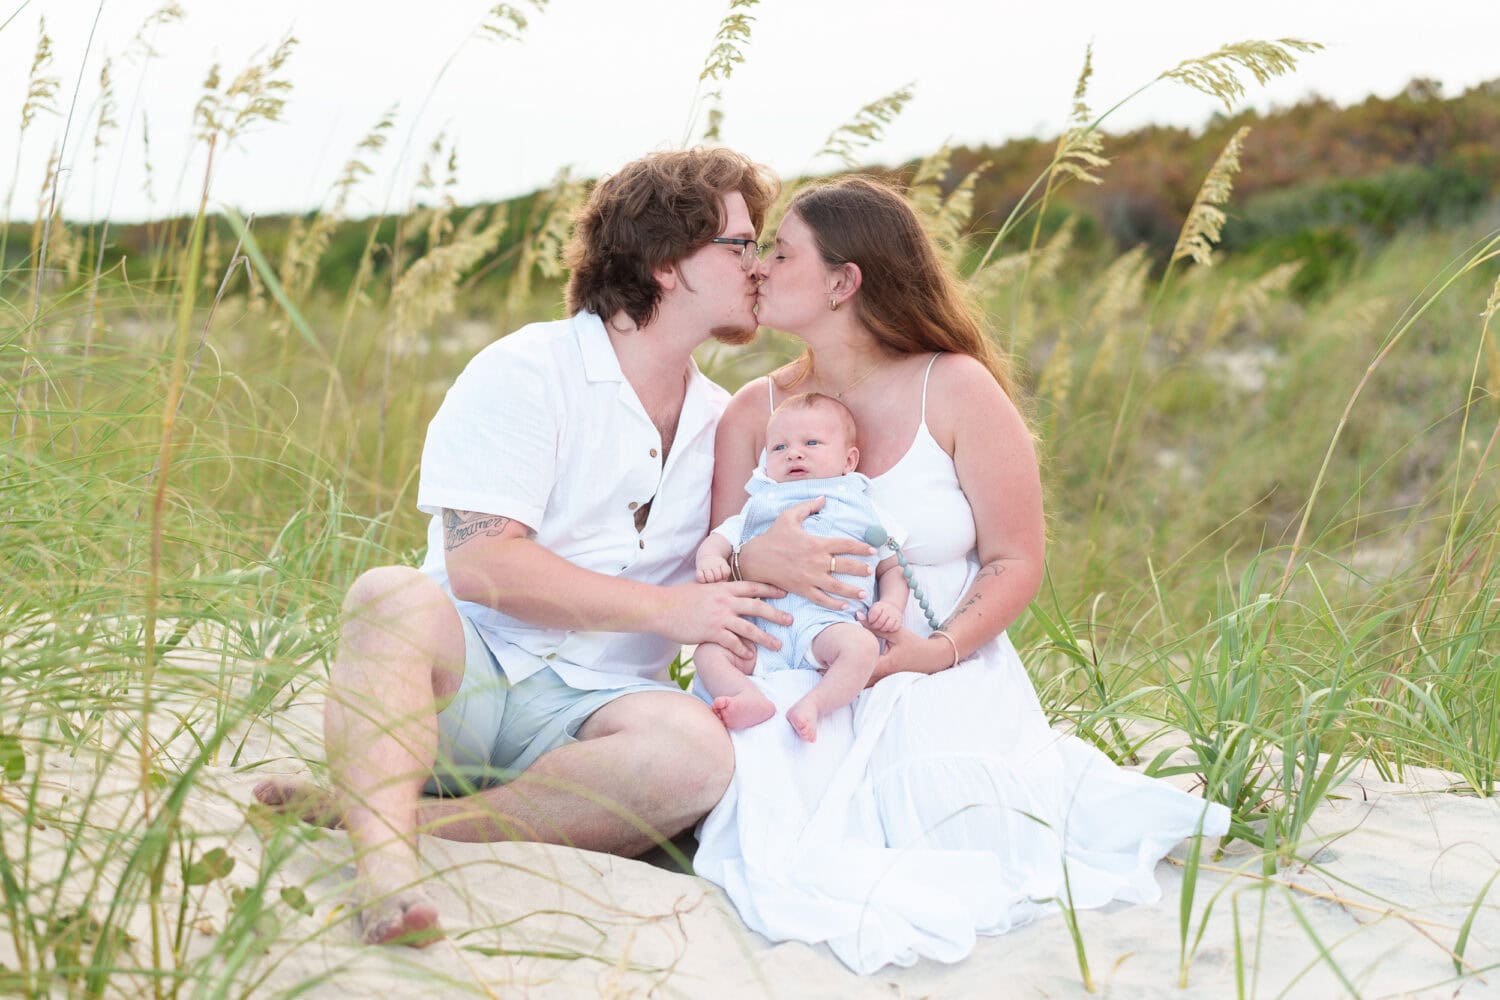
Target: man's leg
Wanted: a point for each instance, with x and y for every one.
(400, 653)
(658, 760)
(646, 766)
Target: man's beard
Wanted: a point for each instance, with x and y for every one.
(734, 336)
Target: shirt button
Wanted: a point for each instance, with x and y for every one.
(643, 543)
(653, 452)
(633, 505)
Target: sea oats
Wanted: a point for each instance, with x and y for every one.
(1080, 149)
(41, 90)
(1250, 299)
(105, 122)
(546, 231)
(1049, 259)
(358, 166)
(64, 252)
(146, 172)
(998, 274)
(1122, 291)
(727, 52)
(945, 218)
(1205, 220)
(865, 128)
(427, 289)
(506, 22)
(433, 220)
(925, 192)
(1056, 379)
(213, 258)
(729, 42)
(1358, 318)
(1217, 74)
(256, 95)
(141, 43)
(1023, 327)
(305, 245)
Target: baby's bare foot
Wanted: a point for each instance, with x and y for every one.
(302, 799)
(741, 711)
(407, 917)
(804, 719)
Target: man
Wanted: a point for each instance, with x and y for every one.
(568, 475)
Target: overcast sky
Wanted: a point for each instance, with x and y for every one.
(597, 82)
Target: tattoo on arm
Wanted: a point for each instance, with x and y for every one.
(992, 569)
(461, 525)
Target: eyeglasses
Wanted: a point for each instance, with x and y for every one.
(750, 251)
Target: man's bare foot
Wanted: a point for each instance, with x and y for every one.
(302, 799)
(407, 917)
(743, 710)
(804, 719)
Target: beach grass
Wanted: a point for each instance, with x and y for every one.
(1273, 532)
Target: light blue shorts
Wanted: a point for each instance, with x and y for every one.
(493, 730)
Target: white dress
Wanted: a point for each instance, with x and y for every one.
(936, 808)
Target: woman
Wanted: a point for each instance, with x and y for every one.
(941, 805)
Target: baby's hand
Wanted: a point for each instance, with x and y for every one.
(712, 569)
(883, 618)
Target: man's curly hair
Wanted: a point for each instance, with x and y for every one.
(652, 213)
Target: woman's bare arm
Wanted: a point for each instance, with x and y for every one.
(992, 449)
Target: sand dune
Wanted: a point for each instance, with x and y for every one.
(1396, 870)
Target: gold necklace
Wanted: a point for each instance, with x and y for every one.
(867, 373)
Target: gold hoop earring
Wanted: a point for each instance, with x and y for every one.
(833, 304)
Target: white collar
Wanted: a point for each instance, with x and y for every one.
(600, 363)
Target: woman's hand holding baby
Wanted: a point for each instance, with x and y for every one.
(799, 563)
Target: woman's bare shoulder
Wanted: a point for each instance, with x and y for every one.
(962, 391)
(750, 403)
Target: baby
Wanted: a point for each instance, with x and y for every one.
(810, 452)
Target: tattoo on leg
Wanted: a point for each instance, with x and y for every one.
(461, 525)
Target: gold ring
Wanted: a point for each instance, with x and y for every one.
(832, 564)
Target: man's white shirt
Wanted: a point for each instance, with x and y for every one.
(542, 427)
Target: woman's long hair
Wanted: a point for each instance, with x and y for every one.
(908, 298)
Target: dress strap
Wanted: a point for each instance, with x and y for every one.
(771, 393)
(927, 375)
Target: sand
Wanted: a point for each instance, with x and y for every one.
(1396, 869)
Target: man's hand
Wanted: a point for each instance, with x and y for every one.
(712, 568)
(719, 613)
(883, 618)
(805, 564)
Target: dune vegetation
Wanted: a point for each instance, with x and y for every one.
(1270, 458)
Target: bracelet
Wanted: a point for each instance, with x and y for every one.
(951, 642)
(734, 564)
